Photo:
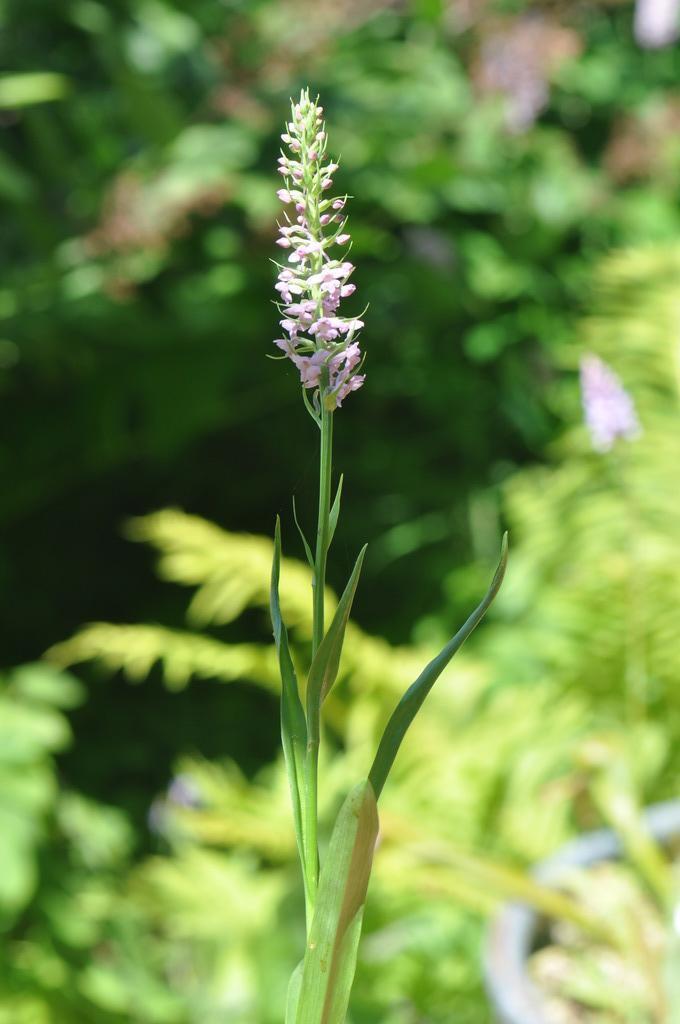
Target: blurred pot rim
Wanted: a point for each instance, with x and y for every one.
(511, 934)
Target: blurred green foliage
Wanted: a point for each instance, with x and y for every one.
(496, 153)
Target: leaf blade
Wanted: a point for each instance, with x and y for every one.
(324, 668)
(293, 723)
(308, 551)
(412, 700)
(334, 512)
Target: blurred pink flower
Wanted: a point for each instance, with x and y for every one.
(608, 408)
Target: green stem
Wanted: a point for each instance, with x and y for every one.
(311, 865)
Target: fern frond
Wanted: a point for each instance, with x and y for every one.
(230, 570)
(135, 649)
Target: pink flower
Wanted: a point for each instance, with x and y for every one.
(326, 328)
(351, 384)
(310, 367)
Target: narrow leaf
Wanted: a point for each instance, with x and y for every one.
(330, 957)
(324, 668)
(308, 550)
(293, 725)
(334, 512)
(411, 702)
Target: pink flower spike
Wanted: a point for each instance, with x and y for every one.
(320, 343)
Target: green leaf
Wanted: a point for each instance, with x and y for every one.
(293, 997)
(412, 701)
(324, 668)
(330, 957)
(334, 512)
(29, 87)
(293, 725)
(308, 550)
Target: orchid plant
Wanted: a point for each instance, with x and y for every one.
(323, 346)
